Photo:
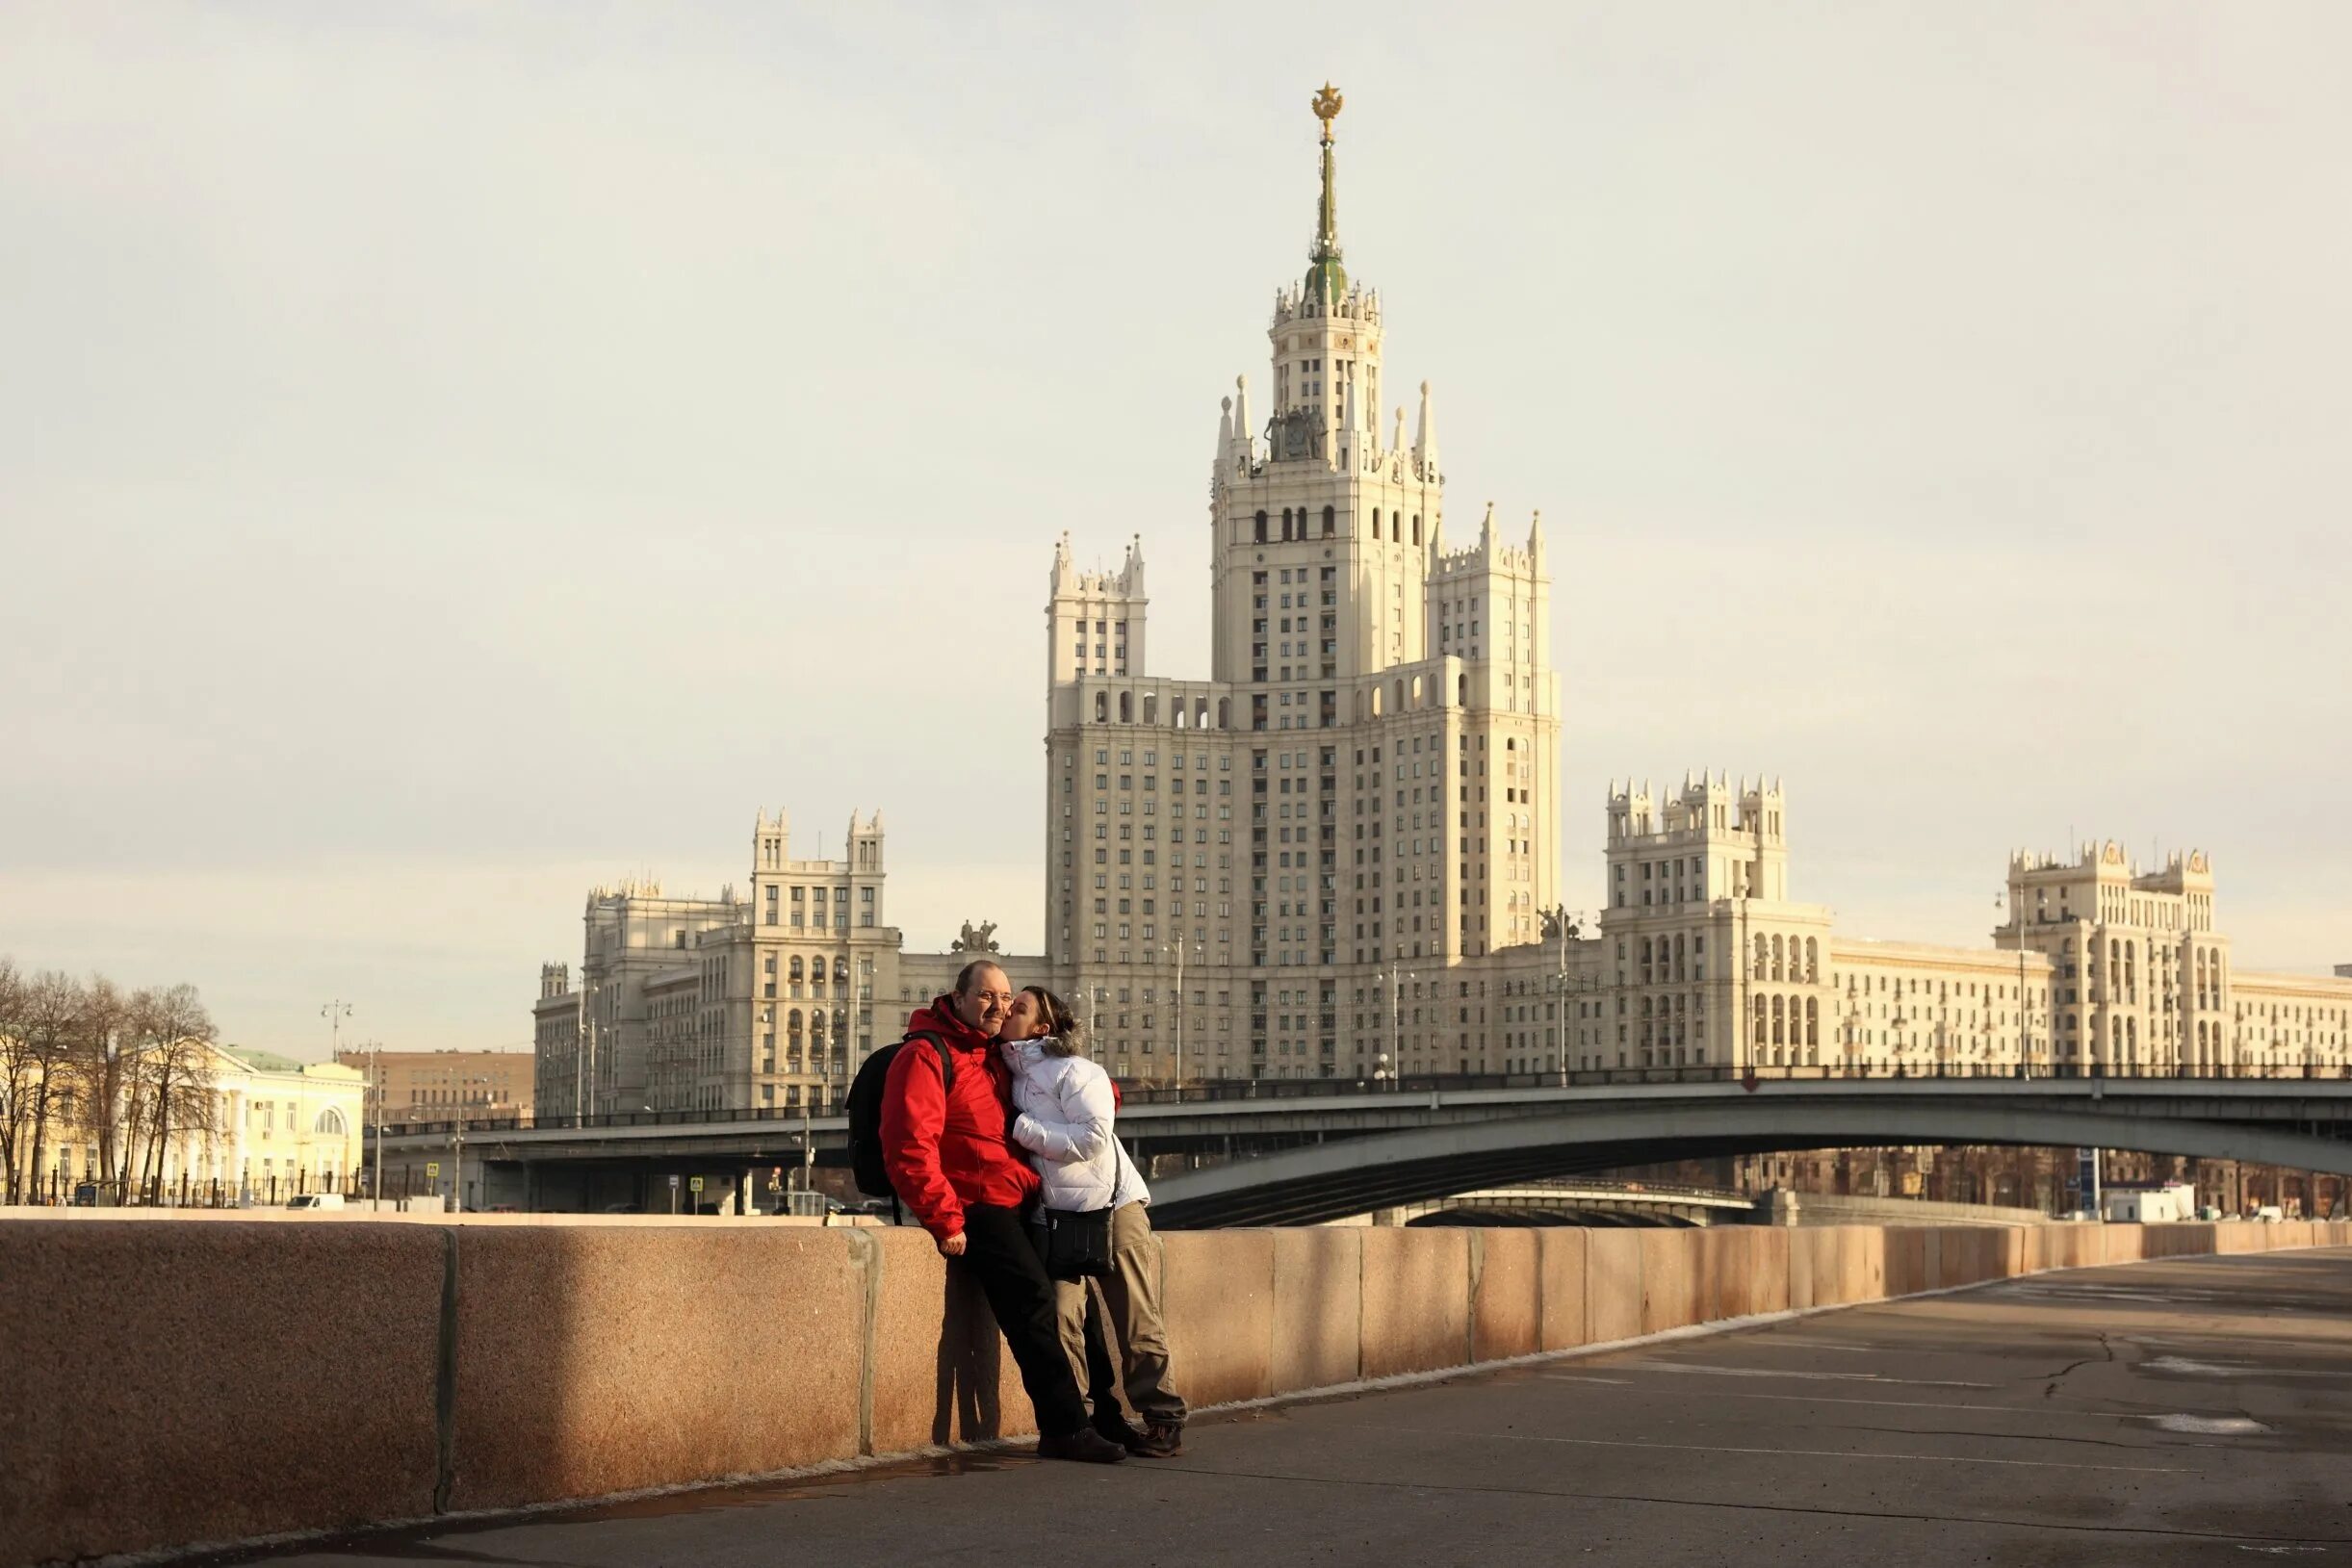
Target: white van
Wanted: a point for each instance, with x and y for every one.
(315, 1200)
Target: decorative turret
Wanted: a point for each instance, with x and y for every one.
(1425, 437)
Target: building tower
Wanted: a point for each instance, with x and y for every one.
(1364, 794)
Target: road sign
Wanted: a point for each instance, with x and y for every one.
(432, 1170)
(696, 1184)
(673, 1184)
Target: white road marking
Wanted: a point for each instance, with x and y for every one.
(2213, 1425)
(1809, 1376)
(2038, 1410)
(2230, 1369)
(1790, 1453)
(1569, 1377)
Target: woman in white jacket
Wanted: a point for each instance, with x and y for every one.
(1066, 1107)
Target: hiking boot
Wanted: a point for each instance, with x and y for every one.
(1162, 1440)
(1086, 1446)
(1117, 1428)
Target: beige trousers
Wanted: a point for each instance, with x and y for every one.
(1131, 1298)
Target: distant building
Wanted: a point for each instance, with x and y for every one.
(768, 1001)
(431, 1086)
(245, 1120)
(1339, 856)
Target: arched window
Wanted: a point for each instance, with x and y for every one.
(840, 976)
(1331, 522)
(1376, 522)
(1416, 691)
(795, 973)
(1225, 713)
(1127, 707)
(1103, 707)
(1417, 527)
(1400, 695)
(791, 1022)
(1813, 1021)
(1461, 691)
(1376, 701)
(1763, 958)
(329, 1123)
(1262, 528)
(1813, 960)
(1286, 522)
(1152, 708)
(1760, 1015)
(1779, 1009)
(1778, 971)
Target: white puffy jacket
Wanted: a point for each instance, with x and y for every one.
(1066, 1109)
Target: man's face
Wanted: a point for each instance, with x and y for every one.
(984, 1007)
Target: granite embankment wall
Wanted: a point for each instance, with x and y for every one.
(165, 1383)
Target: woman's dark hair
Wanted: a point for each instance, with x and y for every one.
(1066, 1034)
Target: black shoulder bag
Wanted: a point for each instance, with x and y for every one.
(1077, 1241)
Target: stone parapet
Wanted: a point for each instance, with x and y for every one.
(168, 1385)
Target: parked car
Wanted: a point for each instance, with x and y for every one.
(315, 1200)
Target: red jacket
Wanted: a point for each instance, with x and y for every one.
(943, 1147)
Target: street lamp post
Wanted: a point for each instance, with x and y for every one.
(1178, 948)
(1396, 978)
(2025, 1039)
(1564, 926)
(457, 1138)
(375, 1082)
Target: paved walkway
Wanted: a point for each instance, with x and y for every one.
(2192, 1411)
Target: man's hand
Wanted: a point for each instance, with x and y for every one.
(952, 1247)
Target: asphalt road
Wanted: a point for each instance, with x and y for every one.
(2192, 1411)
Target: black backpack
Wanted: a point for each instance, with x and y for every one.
(864, 1109)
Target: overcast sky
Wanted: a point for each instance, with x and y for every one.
(453, 456)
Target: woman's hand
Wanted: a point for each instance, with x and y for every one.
(952, 1247)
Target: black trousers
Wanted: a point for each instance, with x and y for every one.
(999, 1255)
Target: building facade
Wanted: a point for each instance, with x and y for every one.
(246, 1122)
(1360, 803)
(1337, 855)
(768, 1001)
(435, 1086)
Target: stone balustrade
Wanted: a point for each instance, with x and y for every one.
(166, 1383)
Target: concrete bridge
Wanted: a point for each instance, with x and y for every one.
(1581, 1200)
(1299, 1151)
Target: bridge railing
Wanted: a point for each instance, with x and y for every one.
(1135, 1091)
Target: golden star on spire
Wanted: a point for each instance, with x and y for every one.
(1326, 105)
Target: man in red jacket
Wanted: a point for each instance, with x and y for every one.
(944, 1148)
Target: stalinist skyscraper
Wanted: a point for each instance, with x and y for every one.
(1329, 835)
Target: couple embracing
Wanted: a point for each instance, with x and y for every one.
(995, 1131)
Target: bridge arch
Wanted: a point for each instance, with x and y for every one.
(1345, 1176)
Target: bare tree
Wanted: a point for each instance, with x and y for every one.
(171, 1075)
(104, 1057)
(51, 1016)
(16, 1082)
